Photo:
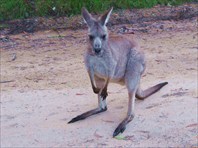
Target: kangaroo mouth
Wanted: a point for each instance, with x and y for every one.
(98, 53)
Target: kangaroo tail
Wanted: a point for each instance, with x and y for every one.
(146, 93)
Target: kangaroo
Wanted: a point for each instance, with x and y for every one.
(113, 59)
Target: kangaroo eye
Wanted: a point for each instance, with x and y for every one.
(91, 37)
(103, 37)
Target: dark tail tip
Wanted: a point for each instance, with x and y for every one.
(161, 85)
(164, 83)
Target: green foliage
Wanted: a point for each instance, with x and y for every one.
(12, 9)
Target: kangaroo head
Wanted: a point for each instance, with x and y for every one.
(97, 30)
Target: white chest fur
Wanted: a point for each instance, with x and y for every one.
(101, 66)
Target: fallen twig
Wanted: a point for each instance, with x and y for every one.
(13, 57)
(6, 81)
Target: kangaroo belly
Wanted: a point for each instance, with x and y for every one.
(118, 81)
(112, 79)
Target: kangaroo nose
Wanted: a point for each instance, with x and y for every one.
(97, 46)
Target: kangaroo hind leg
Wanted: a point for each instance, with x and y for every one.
(131, 81)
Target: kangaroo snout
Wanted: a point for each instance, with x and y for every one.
(97, 45)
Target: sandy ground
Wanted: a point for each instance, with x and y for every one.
(50, 86)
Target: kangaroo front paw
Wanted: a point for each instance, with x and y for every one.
(104, 93)
(119, 129)
(96, 90)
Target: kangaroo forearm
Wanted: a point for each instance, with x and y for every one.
(91, 77)
(103, 92)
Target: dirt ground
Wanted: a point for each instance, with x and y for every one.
(49, 85)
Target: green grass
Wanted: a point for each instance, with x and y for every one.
(3, 26)
(14, 9)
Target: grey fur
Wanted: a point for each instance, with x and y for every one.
(113, 59)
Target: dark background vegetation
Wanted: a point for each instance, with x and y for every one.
(15, 9)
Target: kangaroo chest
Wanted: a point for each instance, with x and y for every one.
(101, 66)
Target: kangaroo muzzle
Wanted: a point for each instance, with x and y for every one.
(97, 45)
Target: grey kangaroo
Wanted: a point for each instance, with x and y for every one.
(113, 59)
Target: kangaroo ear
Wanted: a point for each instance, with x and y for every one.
(105, 17)
(87, 17)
